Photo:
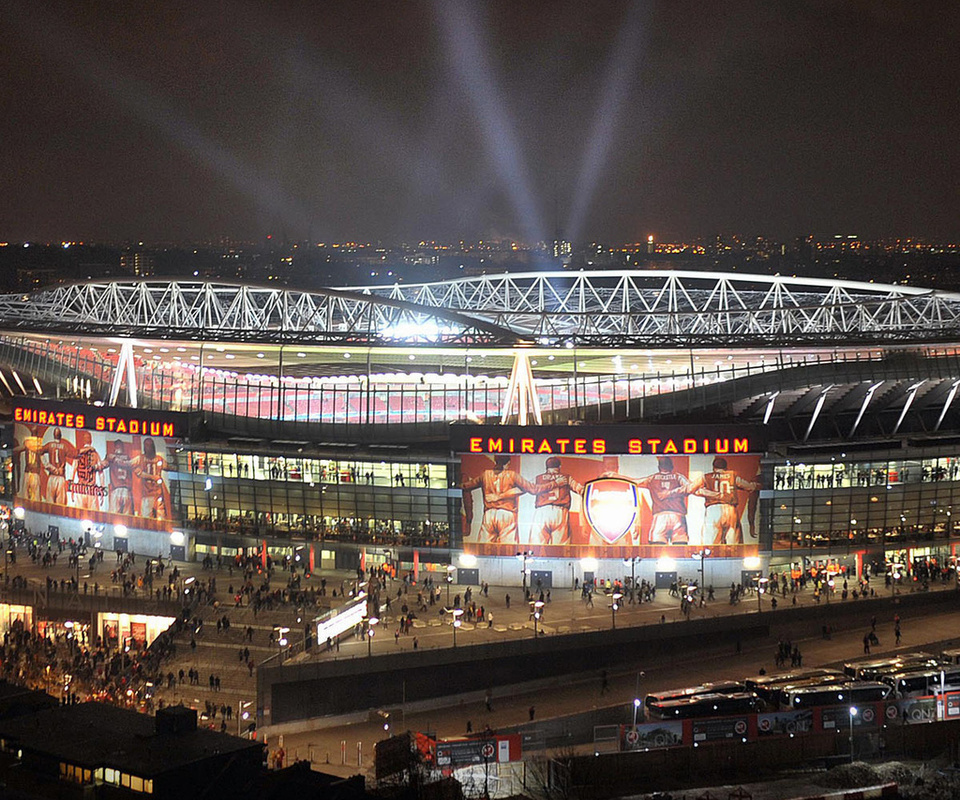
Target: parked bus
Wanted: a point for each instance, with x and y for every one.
(755, 684)
(704, 705)
(723, 687)
(923, 683)
(867, 669)
(775, 695)
(950, 656)
(839, 694)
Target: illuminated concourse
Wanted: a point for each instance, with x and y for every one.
(336, 424)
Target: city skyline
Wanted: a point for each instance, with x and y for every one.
(448, 121)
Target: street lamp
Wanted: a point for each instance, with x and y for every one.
(281, 641)
(894, 578)
(615, 607)
(242, 714)
(457, 612)
(760, 589)
(450, 569)
(636, 707)
(537, 613)
(371, 621)
(523, 556)
(853, 713)
(702, 555)
(634, 560)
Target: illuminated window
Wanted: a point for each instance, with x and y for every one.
(75, 774)
(124, 780)
(136, 784)
(111, 775)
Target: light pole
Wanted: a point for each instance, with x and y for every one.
(281, 641)
(615, 607)
(371, 621)
(702, 555)
(523, 556)
(242, 714)
(457, 612)
(537, 612)
(853, 713)
(760, 588)
(636, 697)
(450, 569)
(942, 702)
(634, 560)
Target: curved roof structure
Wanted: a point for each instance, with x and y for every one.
(622, 308)
(684, 308)
(241, 312)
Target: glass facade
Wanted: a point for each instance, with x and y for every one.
(375, 502)
(878, 502)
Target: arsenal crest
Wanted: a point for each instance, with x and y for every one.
(611, 506)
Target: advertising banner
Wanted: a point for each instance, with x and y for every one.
(918, 709)
(105, 465)
(462, 752)
(839, 717)
(570, 494)
(709, 730)
(785, 723)
(652, 735)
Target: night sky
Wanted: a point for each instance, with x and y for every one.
(401, 121)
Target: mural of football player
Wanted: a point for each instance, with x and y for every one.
(86, 477)
(148, 468)
(551, 517)
(30, 485)
(501, 488)
(121, 479)
(722, 514)
(668, 491)
(58, 453)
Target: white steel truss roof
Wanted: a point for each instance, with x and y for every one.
(202, 310)
(601, 308)
(651, 308)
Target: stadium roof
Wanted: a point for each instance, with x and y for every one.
(623, 308)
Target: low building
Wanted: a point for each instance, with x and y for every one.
(97, 750)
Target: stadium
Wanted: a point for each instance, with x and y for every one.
(538, 429)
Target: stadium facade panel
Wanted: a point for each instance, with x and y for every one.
(340, 426)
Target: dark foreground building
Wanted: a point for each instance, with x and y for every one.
(97, 750)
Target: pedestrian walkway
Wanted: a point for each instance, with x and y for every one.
(253, 632)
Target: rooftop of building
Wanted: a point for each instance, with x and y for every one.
(95, 735)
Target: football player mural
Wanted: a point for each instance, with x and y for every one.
(102, 476)
(612, 505)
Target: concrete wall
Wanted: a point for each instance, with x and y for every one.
(507, 570)
(614, 774)
(291, 692)
(297, 691)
